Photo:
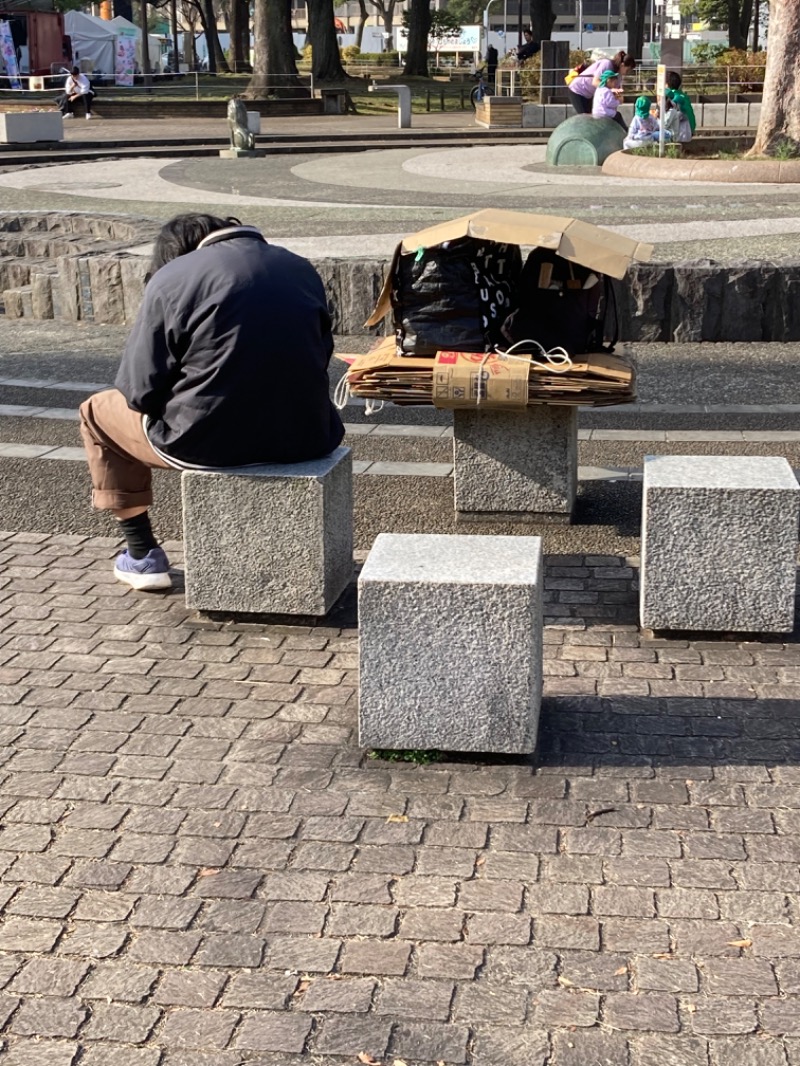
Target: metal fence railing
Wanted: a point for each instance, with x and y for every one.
(194, 85)
(709, 84)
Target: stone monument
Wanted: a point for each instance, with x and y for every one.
(243, 142)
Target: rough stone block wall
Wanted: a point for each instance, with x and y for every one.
(96, 279)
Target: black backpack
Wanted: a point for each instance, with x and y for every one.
(562, 305)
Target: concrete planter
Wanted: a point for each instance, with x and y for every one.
(25, 127)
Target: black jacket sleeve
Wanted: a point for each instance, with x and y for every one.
(150, 361)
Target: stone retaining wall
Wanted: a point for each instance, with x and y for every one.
(34, 243)
(740, 116)
(684, 301)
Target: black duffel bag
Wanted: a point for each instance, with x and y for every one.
(454, 296)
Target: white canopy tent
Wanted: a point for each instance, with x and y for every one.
(93, 41)
(153, 43)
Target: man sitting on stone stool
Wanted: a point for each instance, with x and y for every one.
(226, 366)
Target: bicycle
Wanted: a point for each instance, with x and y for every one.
(480, 90)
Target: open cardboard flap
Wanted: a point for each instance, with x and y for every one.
(591, 246)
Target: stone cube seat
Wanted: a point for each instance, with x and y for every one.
(719, 543)
(27, 127)
(517, 465)
(272, 539)
(450, 643)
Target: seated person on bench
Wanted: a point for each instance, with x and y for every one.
(226, 366)
(77, 87)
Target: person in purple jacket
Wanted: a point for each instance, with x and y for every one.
(582, 89)
(605, 103)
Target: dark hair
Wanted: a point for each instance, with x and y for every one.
(182, 234)
(622, 59)
(674, 80)
(75, 70)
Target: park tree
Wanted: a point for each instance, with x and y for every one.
(635, 17)
(419, 25)
(542, 18)
(239, 25)
(363, 15)
(442, 26)
(326, 62)
(736, 15)
(206, 13)
(385, 9)
(466, 12)
(779, 124)
(217, 63)
(274, 63)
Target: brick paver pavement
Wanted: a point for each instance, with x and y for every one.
(199, 867)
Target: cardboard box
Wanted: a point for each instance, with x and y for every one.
(591, 246)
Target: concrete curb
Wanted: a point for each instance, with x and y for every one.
(745, 171)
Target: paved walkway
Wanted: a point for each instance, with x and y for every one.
(199, 866)
(346, 204)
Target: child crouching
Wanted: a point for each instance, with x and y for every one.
(607, 97)
(644, 128)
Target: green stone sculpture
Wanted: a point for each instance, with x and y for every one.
(583, 141)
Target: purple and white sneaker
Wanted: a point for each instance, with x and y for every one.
(146, 575)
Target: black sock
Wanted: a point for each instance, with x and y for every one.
(139, 535)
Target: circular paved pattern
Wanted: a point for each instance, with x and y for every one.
(359, 204)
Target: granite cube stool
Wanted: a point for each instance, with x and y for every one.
(272, 539)
(517, 465)
(719, 543)
(450, 643)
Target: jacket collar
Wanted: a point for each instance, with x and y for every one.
(229, 233)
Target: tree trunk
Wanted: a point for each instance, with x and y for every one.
(362, 21)
(735, 39)
(189, 50)
(240, 36)
(145, 41)
(385, 9)
(274, 65)
(635, 15)
(745, 20)
(419, 24)
(542, 19)
(780, 109)
(217, 63)
(326, 63)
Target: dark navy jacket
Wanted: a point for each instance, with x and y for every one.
(229, 354)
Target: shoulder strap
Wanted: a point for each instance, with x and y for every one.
(610, 300)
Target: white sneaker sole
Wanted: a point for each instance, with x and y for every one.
(143, 582)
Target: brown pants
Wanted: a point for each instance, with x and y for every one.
(119, 454)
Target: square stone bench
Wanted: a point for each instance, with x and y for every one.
(26, 127)
(273, 539)
(450, 643)
(516, 465)
(719, 543)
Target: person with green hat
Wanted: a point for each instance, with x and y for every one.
(644, 128)
(680, 102)
(607, 98)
